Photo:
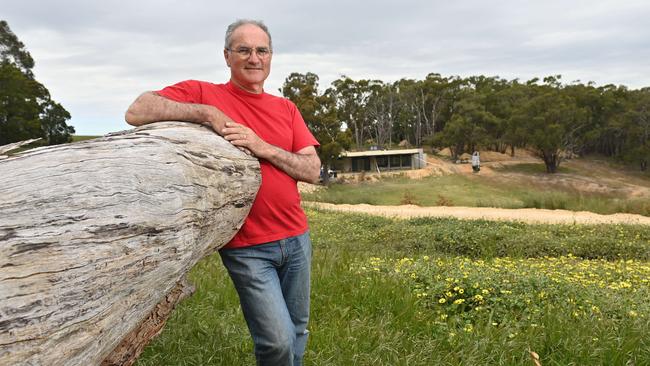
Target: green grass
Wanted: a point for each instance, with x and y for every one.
(452, 190)
(365, 312)
(77, 138)
(459, 190)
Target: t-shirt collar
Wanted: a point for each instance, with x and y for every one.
(239, 91)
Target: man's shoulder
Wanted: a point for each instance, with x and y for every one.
(207, 84)
(193, 84)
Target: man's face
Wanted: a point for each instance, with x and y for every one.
(249, 72)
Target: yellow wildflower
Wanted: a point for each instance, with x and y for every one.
(632, 314)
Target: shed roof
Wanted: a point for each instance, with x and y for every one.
(354, 154)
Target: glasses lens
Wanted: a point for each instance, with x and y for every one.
(262, 52)
(244, 51)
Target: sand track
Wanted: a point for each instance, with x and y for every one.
(527, 215)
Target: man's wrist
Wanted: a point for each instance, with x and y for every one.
(209, 114)
(267, 152)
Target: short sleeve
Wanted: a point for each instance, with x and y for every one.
(302, 137)
(188, 91)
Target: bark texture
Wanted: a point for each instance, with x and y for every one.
(97, 236)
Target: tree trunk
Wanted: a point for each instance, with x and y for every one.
(551, 160)
(96, 238)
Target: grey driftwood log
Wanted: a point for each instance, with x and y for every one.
(96, 238)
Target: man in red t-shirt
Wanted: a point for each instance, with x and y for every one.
(269, 259)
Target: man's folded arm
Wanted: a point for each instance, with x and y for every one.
(303, 165)
(150, 107)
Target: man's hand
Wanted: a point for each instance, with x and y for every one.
(302, 165)
(245, 138)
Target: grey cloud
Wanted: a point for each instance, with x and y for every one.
(97, 56)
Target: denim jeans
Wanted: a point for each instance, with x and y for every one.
(272, 281)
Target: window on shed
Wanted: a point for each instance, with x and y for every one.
(360, 164)
(395, 161)
(406, 161)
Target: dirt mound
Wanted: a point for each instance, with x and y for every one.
(487, 156)
(445, 152)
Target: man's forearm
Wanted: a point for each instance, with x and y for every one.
(301, 167)
(150, 107)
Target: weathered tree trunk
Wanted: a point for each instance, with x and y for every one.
(97, 236)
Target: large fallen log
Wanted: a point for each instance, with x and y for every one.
(14, 146)
(97, 236)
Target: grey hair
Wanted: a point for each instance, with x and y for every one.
(232, 27)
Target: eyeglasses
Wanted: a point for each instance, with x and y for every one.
(246, 52)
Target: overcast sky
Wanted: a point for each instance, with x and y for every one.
(95, 57)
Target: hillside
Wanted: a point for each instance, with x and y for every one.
(582, 184)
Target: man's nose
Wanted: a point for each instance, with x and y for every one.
(254, 58)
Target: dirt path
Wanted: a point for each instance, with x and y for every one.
(528, 215)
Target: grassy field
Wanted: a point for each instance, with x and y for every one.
(442, 292)
(76, 138)
(477, 191)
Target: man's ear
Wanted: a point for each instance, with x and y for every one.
(225, 56)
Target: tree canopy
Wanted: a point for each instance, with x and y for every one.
(553, 119)
(320, 113)
(26, 108)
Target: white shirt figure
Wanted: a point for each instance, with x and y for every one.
(476, 161)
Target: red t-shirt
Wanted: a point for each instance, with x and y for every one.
(276, 213)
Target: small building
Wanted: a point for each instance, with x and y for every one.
(381, 160)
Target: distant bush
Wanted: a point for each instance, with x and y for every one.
(408, 198)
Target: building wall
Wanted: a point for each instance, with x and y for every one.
(385, 162)
(419, 160)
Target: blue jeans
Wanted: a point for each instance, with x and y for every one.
(272, 281)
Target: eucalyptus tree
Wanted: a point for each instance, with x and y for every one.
(408, 125)
(383, 109)
(26, 108)
(468, 127)
(351, 98)
(13, 51)
(507, 101)
(20, 105)
(637, 144)
(320, 114)
(551, 120)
